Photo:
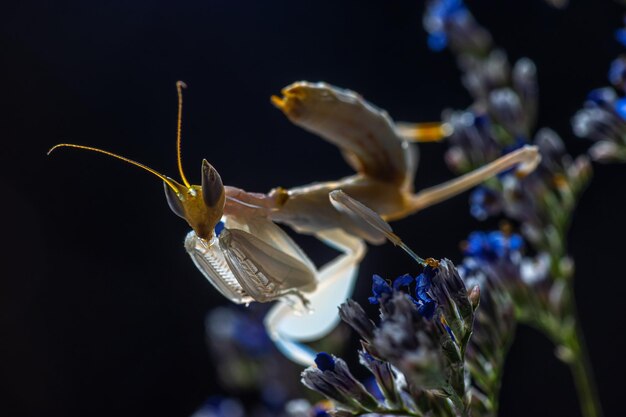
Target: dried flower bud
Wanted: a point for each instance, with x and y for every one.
(353, 314)
(332, 378)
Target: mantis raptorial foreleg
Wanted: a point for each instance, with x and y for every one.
(336, 281)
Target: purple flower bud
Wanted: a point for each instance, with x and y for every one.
(334, 380)
(353, 314)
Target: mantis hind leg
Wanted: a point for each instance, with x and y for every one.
(288, 329)
(523, 160)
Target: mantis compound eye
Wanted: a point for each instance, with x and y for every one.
(212, 186)
(174, 201)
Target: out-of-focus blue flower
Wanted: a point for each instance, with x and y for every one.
(602, 118)
(319, 411)
(620, 108)
(601, 97)
(218, 406)
(617, 72)
(438, 15)
(620, 35)
(519, 143)
(492, 245)
(484, 202)
(437, 41)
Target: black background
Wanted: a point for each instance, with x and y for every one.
(101, 311)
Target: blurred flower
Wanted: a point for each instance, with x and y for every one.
(449, 23)
(246, 359)
(220, 407)
(544, 200)
(603, 116)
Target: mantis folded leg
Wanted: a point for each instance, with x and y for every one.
(336, 281)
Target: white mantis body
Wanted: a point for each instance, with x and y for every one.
(253, 259)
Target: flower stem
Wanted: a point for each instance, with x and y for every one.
(388, 412)
(583, 374)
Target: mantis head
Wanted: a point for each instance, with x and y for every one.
(202, 205)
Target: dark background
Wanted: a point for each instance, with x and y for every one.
(101, 311)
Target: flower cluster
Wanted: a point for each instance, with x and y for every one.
(495, 262)
(501, 119)
(416, 353)
(535, 290)
(603, 117)
(247, 362)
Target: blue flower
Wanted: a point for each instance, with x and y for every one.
(518, 144)
(484, 202)
(437, 41)
(437, 16)
(493, 245)
(602, 96)
(380, 289)
(325, 362)
(250, 334)
(220, 407)
(620, 108)
(620, 35)
(320, 412)
(427, 310)
(372, 386)
(427, 305)
(617, 72)
(423, 283)
(402, 281)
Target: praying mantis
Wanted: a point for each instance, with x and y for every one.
(237, 245)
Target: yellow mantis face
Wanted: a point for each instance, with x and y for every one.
(252, 259)
(201, 206)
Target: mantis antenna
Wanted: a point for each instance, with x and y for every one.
(179, 122)
(179, 86)
(167, 180)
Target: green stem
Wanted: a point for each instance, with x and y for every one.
(583, 374)
(385, 411)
